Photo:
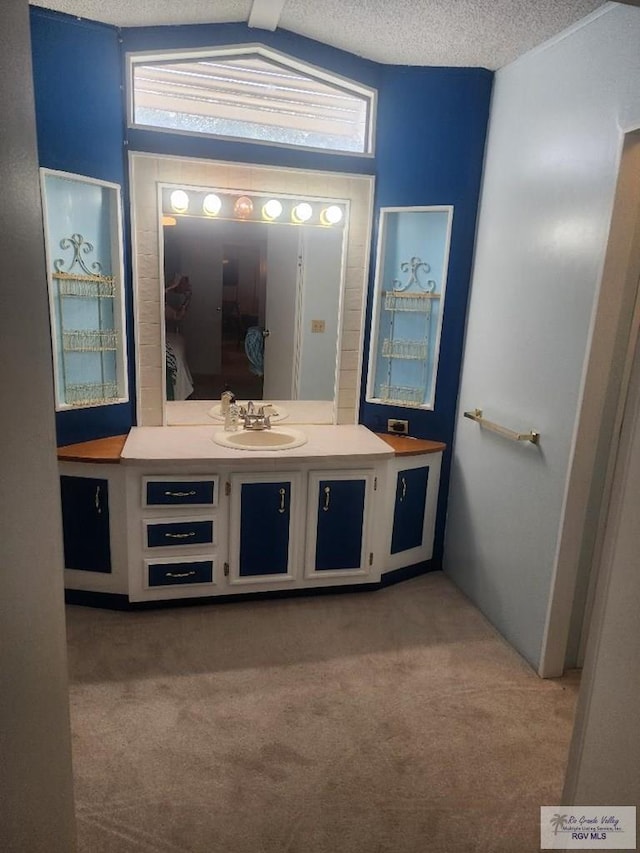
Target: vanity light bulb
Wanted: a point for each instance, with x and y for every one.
(272, 209)
(302, 212)
(243, 208)
(331, 215)
(212, 204)
(179, 201)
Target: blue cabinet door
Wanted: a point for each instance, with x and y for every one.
(340, 524)
(408, 516)
(265, 520)
(85, 523)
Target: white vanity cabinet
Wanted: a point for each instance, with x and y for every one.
(271, 529)
(188, 519)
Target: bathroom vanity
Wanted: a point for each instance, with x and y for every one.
(166, 514)
(179, 510)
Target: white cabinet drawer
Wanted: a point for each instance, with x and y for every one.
(179, 532)
(180, 491)
(179, 572)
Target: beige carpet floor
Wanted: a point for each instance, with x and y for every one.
(396, 721)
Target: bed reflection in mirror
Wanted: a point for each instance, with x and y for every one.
(252, 307)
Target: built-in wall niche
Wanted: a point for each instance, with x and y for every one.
(83, 237)
(410, 284)
(154, 178)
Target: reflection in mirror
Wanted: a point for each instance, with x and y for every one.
(252, 305)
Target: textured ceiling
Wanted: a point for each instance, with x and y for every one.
(486, 33)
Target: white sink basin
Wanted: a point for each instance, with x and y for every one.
(278, 413)
(281, 438)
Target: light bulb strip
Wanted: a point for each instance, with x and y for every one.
(235, 206)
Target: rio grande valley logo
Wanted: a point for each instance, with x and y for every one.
(588, 828)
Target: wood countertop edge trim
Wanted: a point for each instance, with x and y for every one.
(103, 451)
(403, 445)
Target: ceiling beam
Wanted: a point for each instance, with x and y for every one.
(265, 14)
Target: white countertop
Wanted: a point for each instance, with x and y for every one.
(195, 443)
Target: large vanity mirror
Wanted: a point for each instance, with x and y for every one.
(264, 299)
(253, 286)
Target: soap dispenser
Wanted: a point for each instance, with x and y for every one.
(227, 397)
(232, 417)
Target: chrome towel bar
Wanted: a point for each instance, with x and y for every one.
(512, 435)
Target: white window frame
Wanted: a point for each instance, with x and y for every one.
(232, 51)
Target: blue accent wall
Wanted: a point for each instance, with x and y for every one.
(430, 136)
(80, 126)
(431, 131)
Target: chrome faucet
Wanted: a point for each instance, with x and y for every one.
(253, 419)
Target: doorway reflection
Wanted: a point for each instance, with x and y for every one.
(215, 333)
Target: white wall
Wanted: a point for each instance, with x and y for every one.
(555, 135)
(36, 799)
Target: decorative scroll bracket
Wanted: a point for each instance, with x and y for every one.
(80, 247)
(476, 415)
(412, 267)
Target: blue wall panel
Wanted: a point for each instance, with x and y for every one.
(76, 69)
(431, 131)
(80, 125)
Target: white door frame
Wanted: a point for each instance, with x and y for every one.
(604, 753)
(621, 413)
(595, 439)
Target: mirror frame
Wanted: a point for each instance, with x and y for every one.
(148, 171)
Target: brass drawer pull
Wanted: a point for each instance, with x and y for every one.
(327, 498)
(179, 535)
(180, 494)
(179, 574)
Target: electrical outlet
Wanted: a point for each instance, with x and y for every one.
(317, 325)
(397, 426)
